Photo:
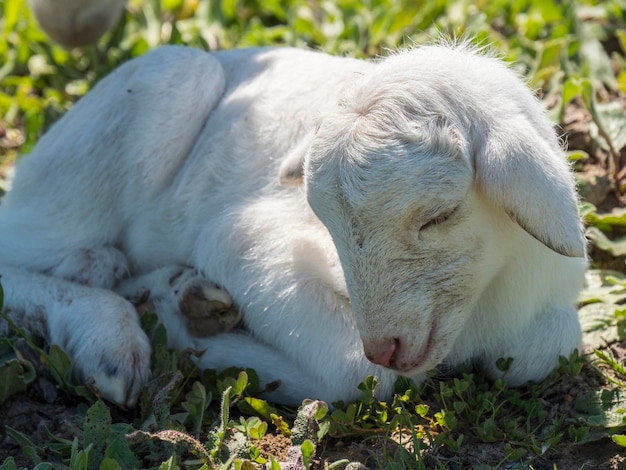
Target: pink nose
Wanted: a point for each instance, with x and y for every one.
(382, 351)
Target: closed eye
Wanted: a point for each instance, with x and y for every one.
(440, 219)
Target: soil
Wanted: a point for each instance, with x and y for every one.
(39, 411)
(31, 415)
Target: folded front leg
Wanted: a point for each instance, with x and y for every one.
(98, 329)
(184, 301)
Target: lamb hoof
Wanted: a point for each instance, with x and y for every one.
(209, 310)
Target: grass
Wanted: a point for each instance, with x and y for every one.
(215, 420)
(572, 53)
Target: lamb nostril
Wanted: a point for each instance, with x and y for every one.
(383, 353)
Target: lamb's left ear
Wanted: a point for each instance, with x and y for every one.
(522, 170)
(291, 172)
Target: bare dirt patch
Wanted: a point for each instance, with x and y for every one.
(30, 415)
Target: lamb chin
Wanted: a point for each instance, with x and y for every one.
(426, 359)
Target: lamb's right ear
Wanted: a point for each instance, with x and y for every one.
(291, 172)
(523, 171)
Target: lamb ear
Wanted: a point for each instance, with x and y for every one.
(291, 172)
(527, 175)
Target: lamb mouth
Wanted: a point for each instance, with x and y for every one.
(423, 361)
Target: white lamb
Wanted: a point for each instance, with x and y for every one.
(414, 211)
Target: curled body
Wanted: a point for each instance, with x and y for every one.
(363, 218)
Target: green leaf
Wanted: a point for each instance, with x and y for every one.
(9, 464)
(44, 466)
(308, 452)
(12, 14)
(609, 359)
(262, 408)
(459, 406)
(615, 247)
(60, 366)
(577, 155)
(196, 403)
(11, 379)
(504, 364)
(96, 428)
(169, 464)
(593, 55)
(611, 118)
(422, 410)
(118, 447)
(171, 5)
(578, 434)
(28, 447)
(225, 411)
(245, 465)
(109, 464)
(159, 336)
(229, 9)
(79, 458)
(514, 454)
(258, 431)
(603, 286)
(368, 389)
(84, 392)
(572, 88)
(149, 322)
(241, 384)
(323, 430)
(599, 325)
(619, 439)
(603, 408)
(617, 217)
